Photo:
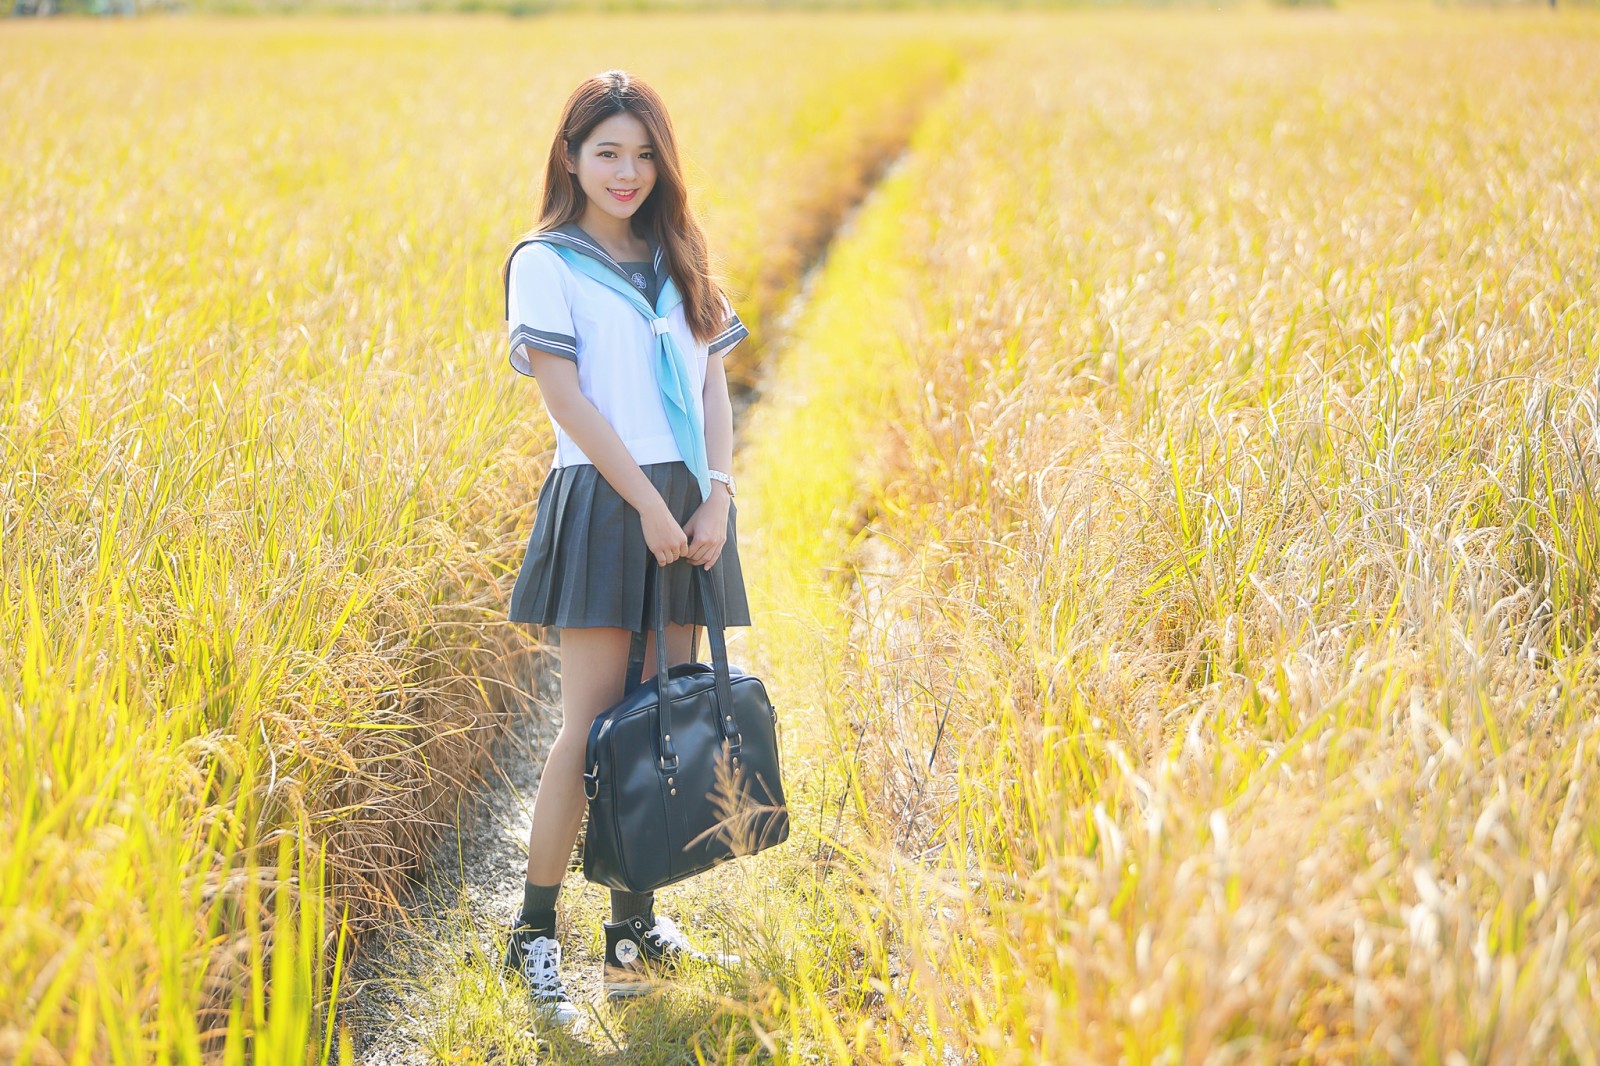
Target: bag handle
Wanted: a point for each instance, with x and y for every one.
(713, 608)
(633, 677)
(635, 673)
(715, 612)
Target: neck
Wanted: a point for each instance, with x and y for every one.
(610, 231)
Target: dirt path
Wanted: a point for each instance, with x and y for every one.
(459, 912)
(471, 876)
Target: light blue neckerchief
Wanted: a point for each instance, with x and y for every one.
(671, 366)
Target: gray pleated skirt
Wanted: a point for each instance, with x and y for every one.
(587, 563)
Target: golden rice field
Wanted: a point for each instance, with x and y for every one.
(267, 470)
(1171, 524)
(1218, 680)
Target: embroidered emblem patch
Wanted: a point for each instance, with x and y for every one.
(640, 280)
(627, 952)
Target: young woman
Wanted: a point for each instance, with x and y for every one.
(644, 438)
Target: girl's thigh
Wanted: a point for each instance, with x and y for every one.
(594, 660)
(679, 635)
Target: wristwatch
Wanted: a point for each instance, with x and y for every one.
(717, 475)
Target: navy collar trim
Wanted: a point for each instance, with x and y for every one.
(571, 235)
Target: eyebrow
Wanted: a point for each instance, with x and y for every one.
(615, 144)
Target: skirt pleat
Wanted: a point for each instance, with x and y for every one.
(633, 549)
(587, 563)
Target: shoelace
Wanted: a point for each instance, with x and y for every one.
(541, 964)
(666, 932)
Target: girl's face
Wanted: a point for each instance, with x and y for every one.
(615, 166)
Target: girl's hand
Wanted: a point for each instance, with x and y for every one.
(662, 534)
(708, 529)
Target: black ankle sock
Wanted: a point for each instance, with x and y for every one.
(628, 904)
(539, 907)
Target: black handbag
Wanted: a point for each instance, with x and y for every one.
(681, 774)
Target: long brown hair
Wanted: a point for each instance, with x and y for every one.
(664, 217)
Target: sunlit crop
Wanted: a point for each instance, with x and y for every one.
(1218, 674)
(1170, 520)
(267, 472)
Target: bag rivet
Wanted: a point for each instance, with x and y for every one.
(674, 792)
(670, 781)
(728, 719)
(669, 736)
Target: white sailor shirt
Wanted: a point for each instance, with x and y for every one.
(556, 309)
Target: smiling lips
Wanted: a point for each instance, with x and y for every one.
(625, 195)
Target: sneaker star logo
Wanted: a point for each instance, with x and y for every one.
(627, 952)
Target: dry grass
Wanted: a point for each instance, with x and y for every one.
(267, 473)
(1221, 675)
(1172, 531)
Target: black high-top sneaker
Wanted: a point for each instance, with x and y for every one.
(537, 960)
(637, 954)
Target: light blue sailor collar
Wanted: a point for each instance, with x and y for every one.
(571, 235)
(669, 364)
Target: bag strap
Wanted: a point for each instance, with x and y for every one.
(634, 676)
(714, 608)
(716, 611)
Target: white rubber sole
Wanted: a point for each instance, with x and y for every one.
(630, 986)
(629, 991)
(566, 1017)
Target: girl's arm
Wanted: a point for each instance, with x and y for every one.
(719, 423)
(583, 422)
(708, 527)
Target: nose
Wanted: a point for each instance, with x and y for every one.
(625, 169)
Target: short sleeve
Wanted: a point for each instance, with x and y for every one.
(733, 331)
(537, 312)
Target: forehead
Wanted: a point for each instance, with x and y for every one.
(623, 128)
